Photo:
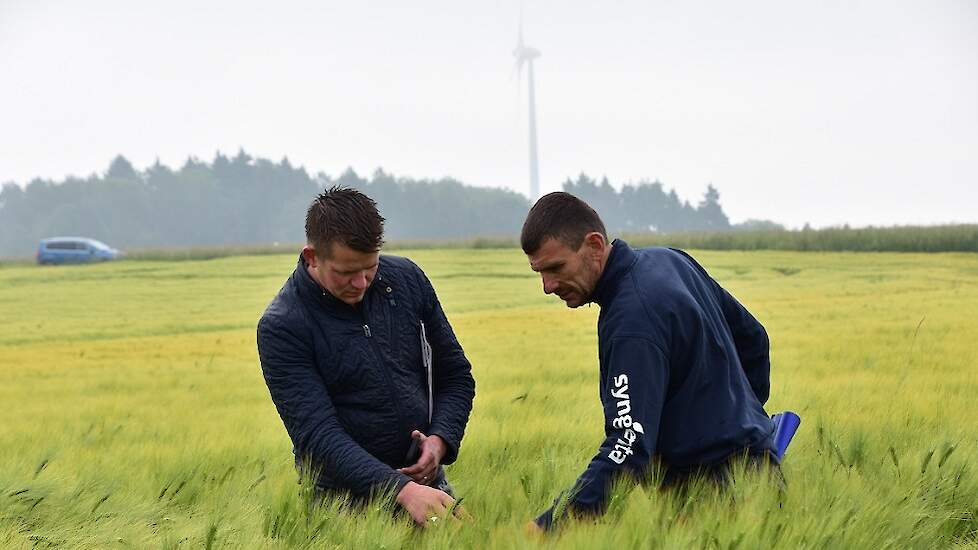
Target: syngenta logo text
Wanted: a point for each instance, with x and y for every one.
(623, 447)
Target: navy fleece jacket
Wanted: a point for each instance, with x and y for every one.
(684, 372)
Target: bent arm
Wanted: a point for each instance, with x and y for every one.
(632, 396)
(304, 404)
(753, 346)
(453, 385)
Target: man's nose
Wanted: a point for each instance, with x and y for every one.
(359, 281)
(549, 285)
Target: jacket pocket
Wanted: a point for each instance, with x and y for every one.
(409, 352)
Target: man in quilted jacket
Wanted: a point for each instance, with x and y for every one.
(362, 364)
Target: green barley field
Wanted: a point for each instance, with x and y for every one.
(133, 412)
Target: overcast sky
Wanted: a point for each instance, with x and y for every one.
(860, 112)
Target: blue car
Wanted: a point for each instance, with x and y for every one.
(74, 250)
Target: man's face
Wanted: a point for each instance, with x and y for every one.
(346, 273)
(570, 274)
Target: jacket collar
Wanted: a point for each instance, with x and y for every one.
(619, 263)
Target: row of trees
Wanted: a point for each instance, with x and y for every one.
(242, 200)
(649, 207)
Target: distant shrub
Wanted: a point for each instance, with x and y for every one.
(211, 252)
(941, 238)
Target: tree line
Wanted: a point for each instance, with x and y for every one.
(242, 200)
(648, 206)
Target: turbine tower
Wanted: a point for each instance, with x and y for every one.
(525, 55)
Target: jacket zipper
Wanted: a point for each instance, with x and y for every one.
(383, 367)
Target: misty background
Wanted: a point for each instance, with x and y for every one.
(830, 113)
(241, 200)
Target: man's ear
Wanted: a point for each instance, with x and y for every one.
(309, 254)
(595, 243)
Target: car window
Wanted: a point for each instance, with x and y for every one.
(67, 245)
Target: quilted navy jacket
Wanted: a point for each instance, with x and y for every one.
(350, 384)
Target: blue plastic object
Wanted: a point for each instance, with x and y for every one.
(785, 425)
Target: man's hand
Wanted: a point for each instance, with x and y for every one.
(424, 504)
(433, 449)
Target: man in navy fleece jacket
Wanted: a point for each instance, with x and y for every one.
(684, 366)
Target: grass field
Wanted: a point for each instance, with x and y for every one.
(134, 413)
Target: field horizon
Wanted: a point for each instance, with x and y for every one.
(951, 237)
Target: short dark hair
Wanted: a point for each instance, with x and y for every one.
(347, 216)
(560, 216)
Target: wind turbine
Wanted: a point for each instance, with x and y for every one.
(525, 55)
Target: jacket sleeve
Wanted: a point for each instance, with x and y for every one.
(304, 404)
(453, 385)
(753, 347)
(632, 397)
